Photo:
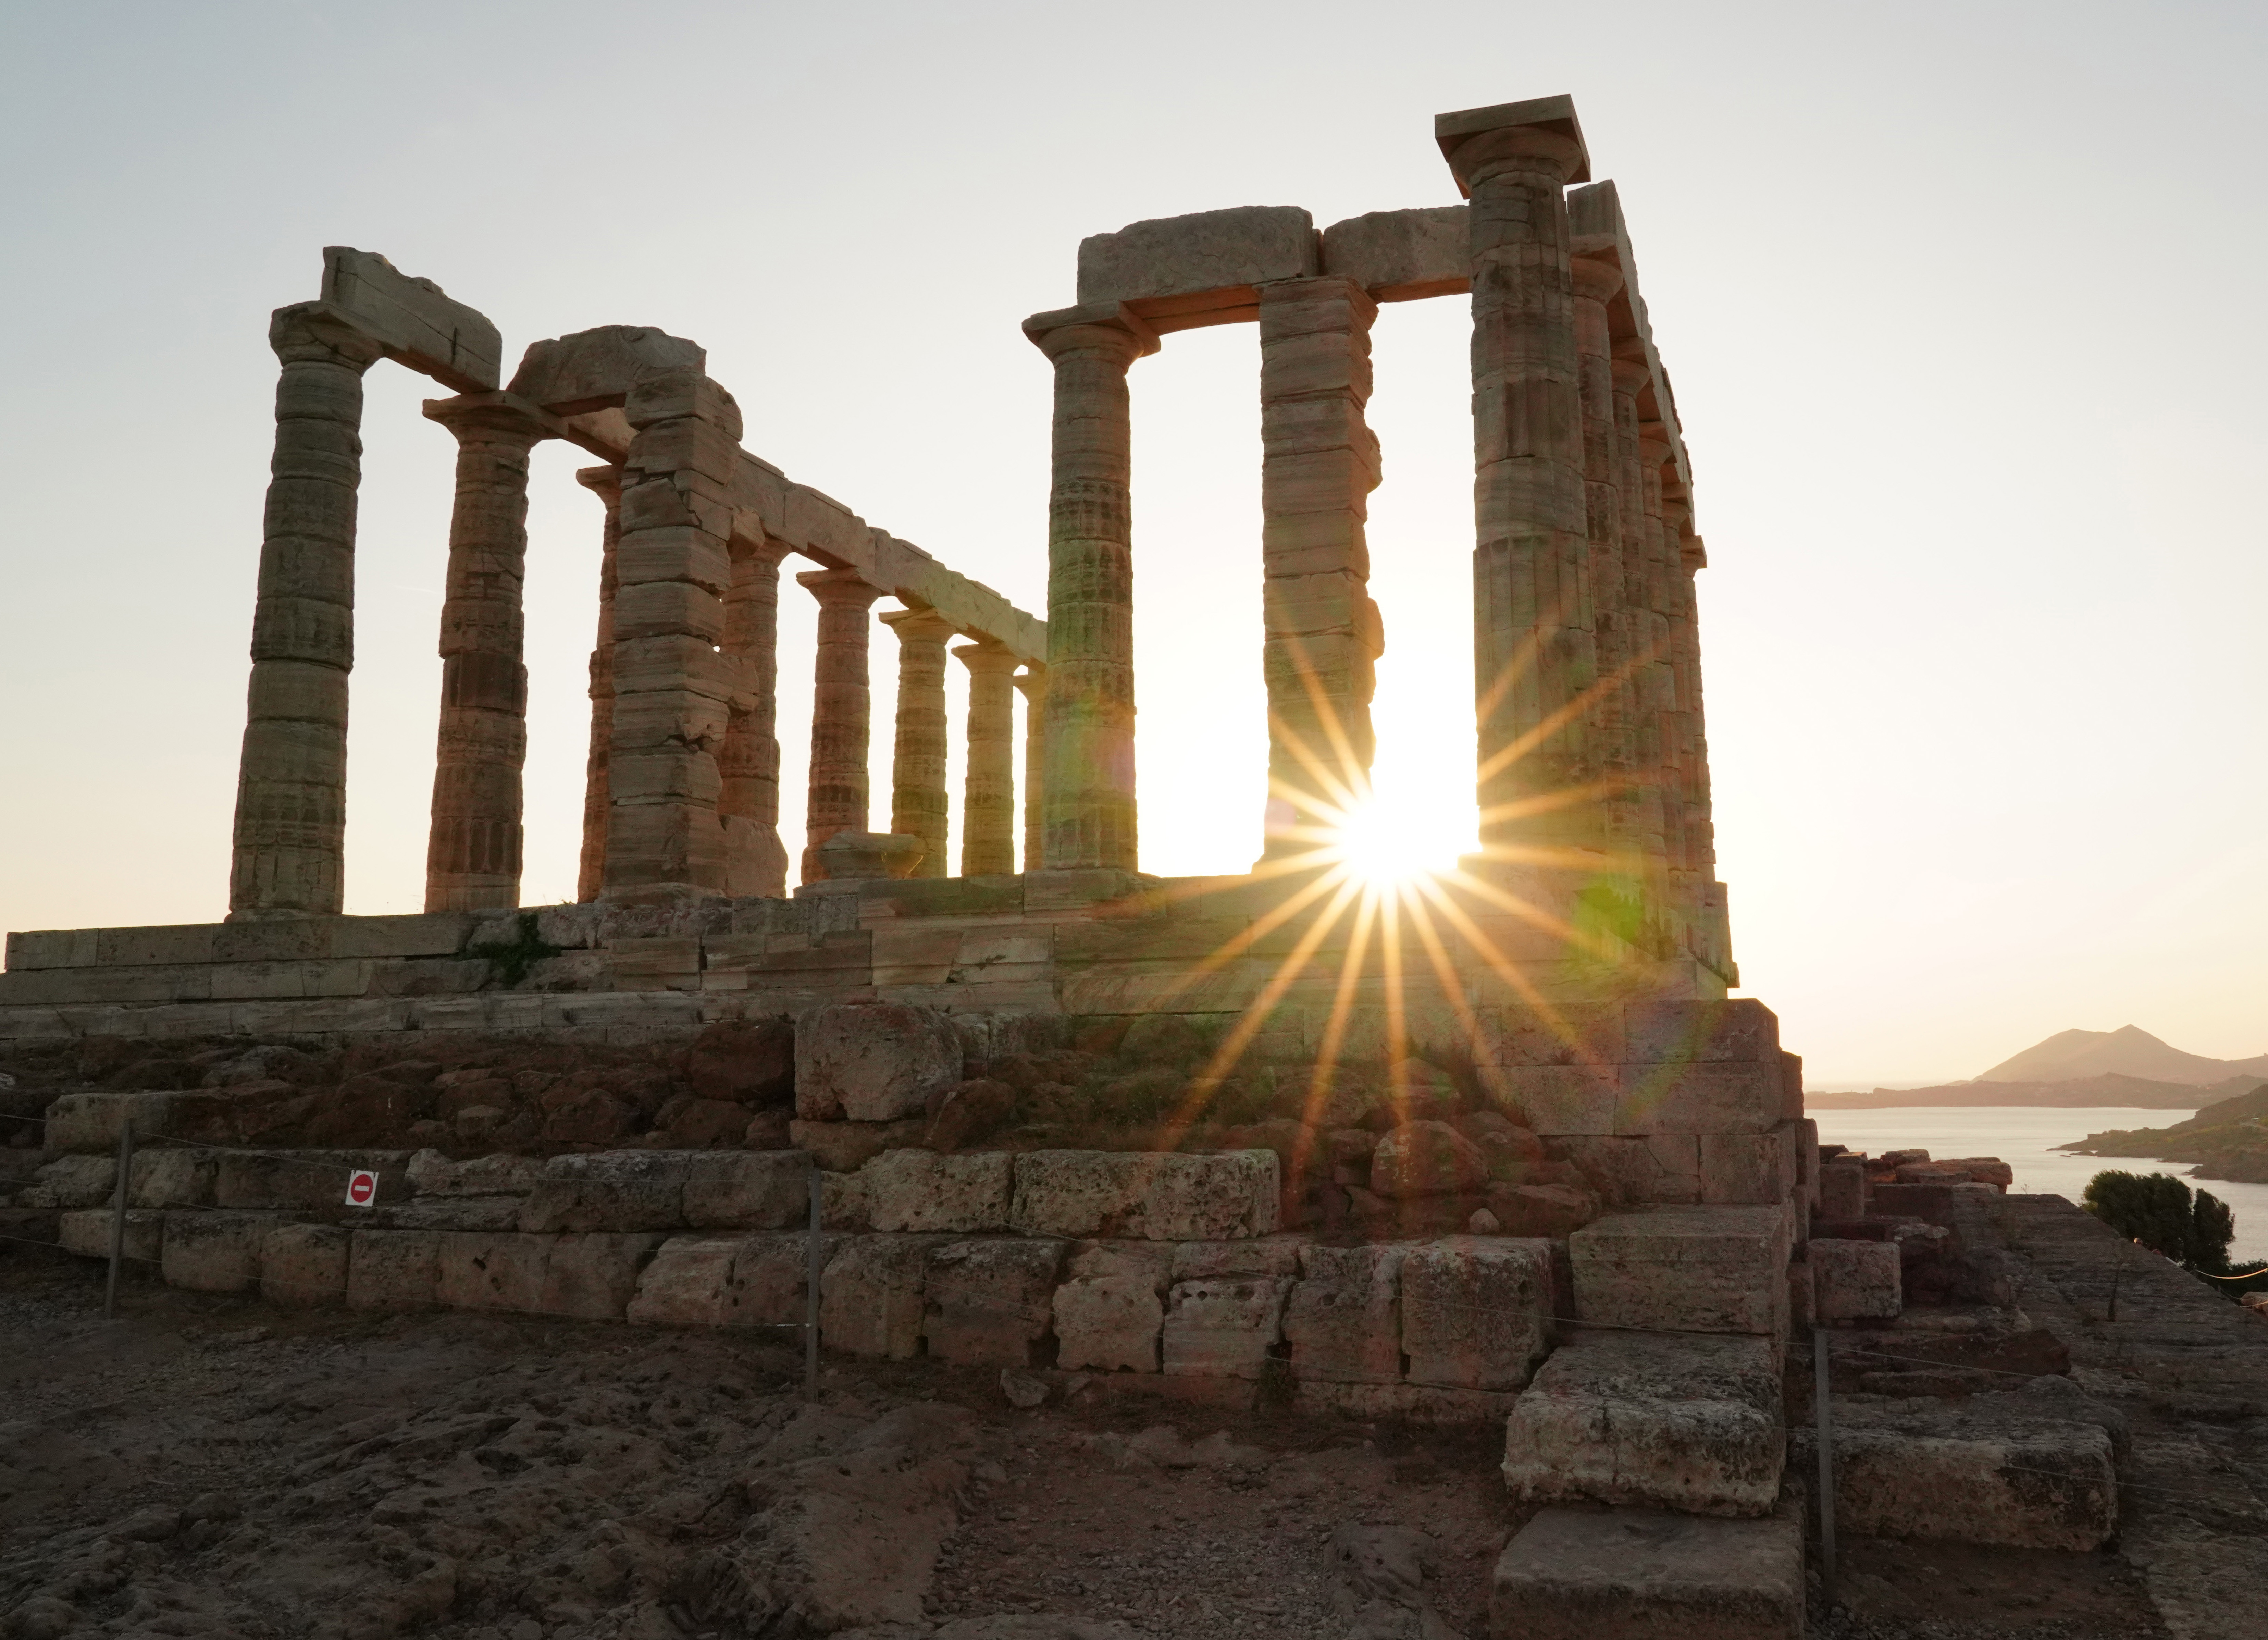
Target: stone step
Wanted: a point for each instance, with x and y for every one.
(1628, 1574)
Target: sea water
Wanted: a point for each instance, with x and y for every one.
(2024, 1137)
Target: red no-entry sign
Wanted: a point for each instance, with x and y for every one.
(362, 1188)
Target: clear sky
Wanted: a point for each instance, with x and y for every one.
(1961, 302)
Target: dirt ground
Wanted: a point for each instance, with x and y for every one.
(213, 1465)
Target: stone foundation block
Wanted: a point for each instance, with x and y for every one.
(1701, 1098)
(1344, 1317)
(921, 1191)
(394, 1269)
(1676, 1422)
(305, 1181)
(1655, 1169)
(1110, 1311)
(685, 1284)
(172, 1178)
(1224, 1329)
(1271, 1256)
(92, 1121)
(1146, 1196)
(846, 1147)
(477, 1271)
(1933, 1472)
(1699, 1269)
(871, 1298)
(770, 1280)
(872, 1061)
(989, 1302)
(214, 1252)
(1802, 1297)
(87, 1233)
(432, 1174)
(1410, 1403)
(748, 1189)
(1477, 1311)
(447, 1213)
(305, 1264)
(1638, 1575)
(1853, 1280)
(1749, 1170)
(610, 1190)
(1843, 1188)
(72, 1183)
(593, 1276)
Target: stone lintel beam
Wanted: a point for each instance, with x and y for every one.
(1182, 273)
(413, 320)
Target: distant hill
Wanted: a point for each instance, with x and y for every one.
(2226, 1140)
(2109, 1088)
(2128, 1051)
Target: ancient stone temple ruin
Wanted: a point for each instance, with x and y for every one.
(1492, 1142)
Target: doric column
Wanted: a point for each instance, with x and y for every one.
(1653, 692)
(606, 483)
(988, 804)
(841, 712)
(472, 854)
(1090, 718)
(756, 860)
(1662, 698)
(1531, 607)
(288, 857)
(1612, 714)
(1032, 684)
(918, 805)
(672, 687)
(1324, 636)
(1686, 557)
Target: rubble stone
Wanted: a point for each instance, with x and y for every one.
(1676, 1422)
(846, 1147)
(872, 1061)
(172, 1178)
(1477, 1311)
(1427, 1159)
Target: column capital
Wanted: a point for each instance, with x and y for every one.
(317, 333)
(1596, 279)
(987, 657)
(603, 482)
(499, 417)
(919, 625)
(1539, 134)
(1032, 682)
(1631, 374)
(1109, 329)
(839, 588)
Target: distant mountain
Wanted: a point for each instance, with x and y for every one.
(2128, 1051)
(2109, 1088)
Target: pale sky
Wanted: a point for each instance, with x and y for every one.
(1960, 301)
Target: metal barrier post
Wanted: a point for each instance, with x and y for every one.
(811, 1295)
(1823, 1421)
(118, 1215)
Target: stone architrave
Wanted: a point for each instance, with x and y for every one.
(1032, 684)
(841, 709)
(289, 842)
(473, 854)
(748, 765)
(672, 685)
(1324, 636)
(918, 804)
(988, 803)
(606, 483)
(1532, 601)
(1089, 781)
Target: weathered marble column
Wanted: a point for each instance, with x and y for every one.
(749, 764)
(918, 804)
(1091, 816)
(472, 854)
(1032, 684)
(841, 709)
(1533, 655)
(1653, 689)
(606, 483)
(1612, 713)
(988, 804)
(665, 843)
(1686, 557)
(288, 857)
(1662, 682)
(1322, 633)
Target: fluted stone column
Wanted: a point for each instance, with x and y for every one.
(288, 855)
(756, 860)
(1662, 682)
(1322, 633)
(1611, 716)
(606, 483)
(1534, 653)
(673, 688)
(842, 708)
(1653, 690)
(918, 804)
(1032, 684)
(472, 853)
(1091, 816)
(988, 804)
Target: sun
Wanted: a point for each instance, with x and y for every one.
(1384, 840)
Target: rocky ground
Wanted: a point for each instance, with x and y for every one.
(212, 1466)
